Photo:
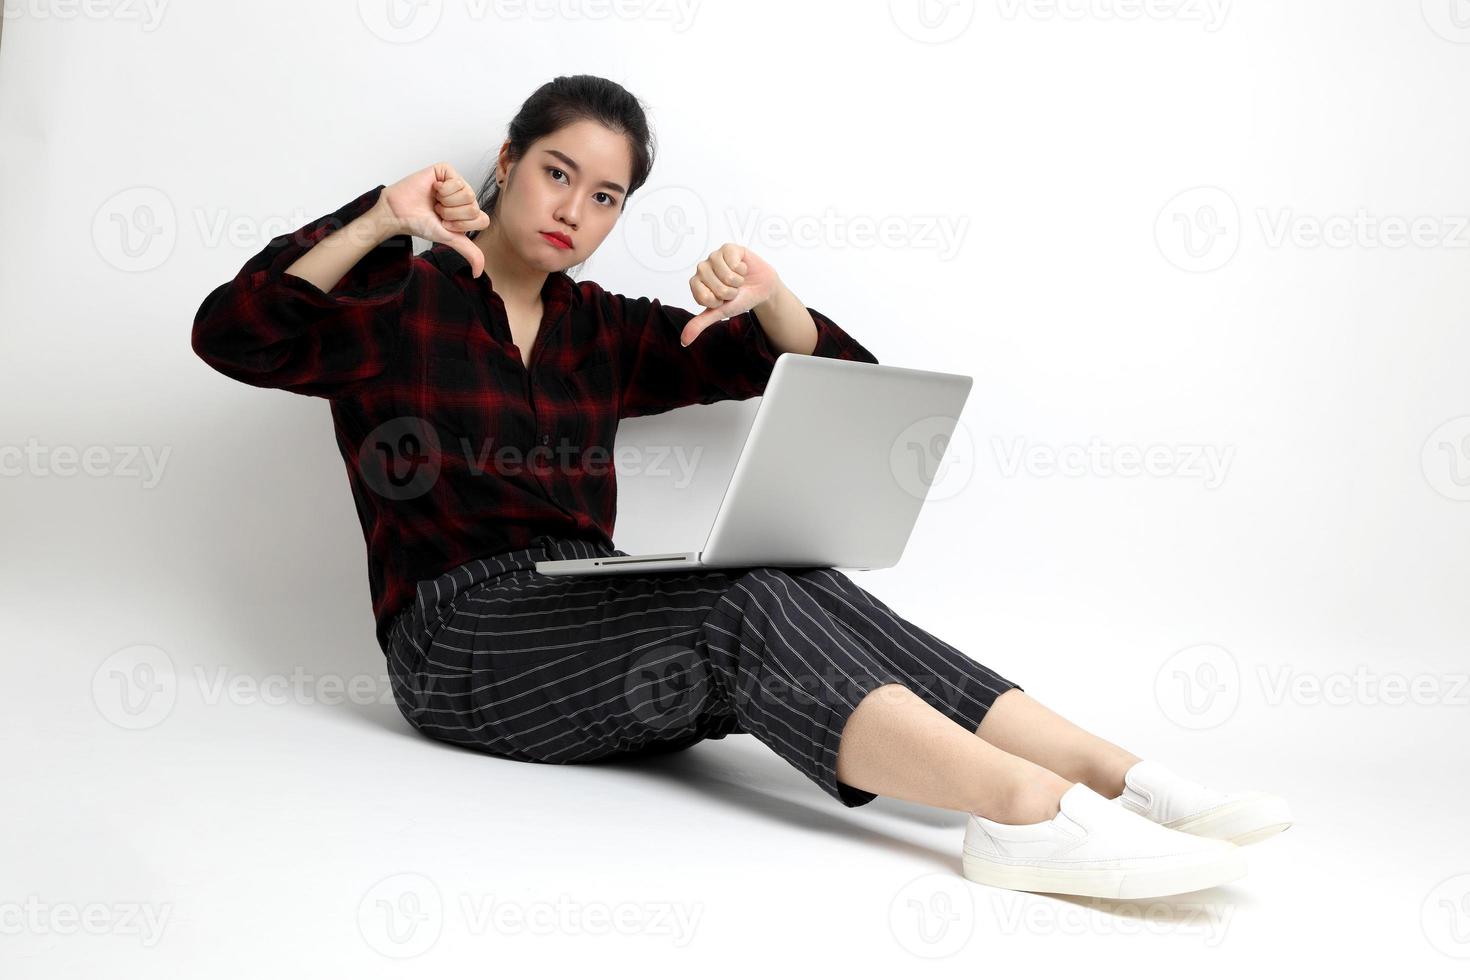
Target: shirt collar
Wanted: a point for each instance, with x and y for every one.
(556, 293)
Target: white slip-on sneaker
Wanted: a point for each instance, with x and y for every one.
(1154, 791)
(1096, 848)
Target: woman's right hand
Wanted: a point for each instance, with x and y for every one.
(439, 205)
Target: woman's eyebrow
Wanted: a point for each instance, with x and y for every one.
(572, 166)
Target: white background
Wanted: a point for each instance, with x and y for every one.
(1155, 241)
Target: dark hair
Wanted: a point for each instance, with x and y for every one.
(562, 101)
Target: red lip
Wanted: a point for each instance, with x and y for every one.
(557, 239)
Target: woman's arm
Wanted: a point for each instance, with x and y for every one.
(325, 263)
(731, 358)
(316, 311)
(789, 325)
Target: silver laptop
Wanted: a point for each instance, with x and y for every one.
(833, 472)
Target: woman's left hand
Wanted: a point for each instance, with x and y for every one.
(731, 281)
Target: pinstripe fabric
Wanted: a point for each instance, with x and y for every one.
(561, 669)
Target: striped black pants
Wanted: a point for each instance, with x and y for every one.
(495, 656)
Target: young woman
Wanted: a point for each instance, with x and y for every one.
(451, 372)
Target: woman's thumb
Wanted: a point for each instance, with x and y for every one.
(462, 244)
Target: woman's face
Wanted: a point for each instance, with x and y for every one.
(572, 181)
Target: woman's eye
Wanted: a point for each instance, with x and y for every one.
(557, 170)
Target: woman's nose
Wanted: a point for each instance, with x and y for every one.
(568, 212)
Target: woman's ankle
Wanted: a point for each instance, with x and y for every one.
(1035, 798)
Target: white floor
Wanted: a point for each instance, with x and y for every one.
(256, 828)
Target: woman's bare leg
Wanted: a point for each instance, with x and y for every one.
(896, 744)
(1022, 726)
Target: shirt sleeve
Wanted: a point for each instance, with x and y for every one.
(730, 359)
(269, 328)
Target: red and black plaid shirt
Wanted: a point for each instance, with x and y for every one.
(454, 450)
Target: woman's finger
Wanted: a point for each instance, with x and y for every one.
(722, 269)
(704, 296)
(463, 212)
(454, 192)
(716, 285)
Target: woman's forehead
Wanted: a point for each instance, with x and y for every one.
(591, 149)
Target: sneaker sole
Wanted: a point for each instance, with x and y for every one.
(1243, 822)
(1152, 882)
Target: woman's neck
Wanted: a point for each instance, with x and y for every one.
(517, 284)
